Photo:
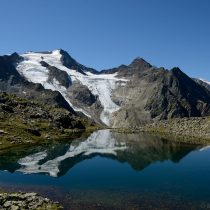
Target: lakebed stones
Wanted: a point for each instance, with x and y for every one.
(23, 201)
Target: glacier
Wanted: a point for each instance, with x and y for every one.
(101, 85)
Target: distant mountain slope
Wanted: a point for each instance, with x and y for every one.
(156, 94)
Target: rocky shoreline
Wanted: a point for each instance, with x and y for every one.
(29, 201)
(195, 130)
(193, 127)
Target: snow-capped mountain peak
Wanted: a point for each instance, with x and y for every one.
(124, 96)
(100, 85)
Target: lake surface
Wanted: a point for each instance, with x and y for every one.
(109, 170)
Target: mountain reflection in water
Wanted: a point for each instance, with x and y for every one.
(138, 150)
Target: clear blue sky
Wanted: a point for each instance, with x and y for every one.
(107, 33)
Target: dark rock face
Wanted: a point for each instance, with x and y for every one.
(71, 63)
(7, 108)
(37, 92)
(54, 73)
(140, 63)
(65, 120)
(34, 131)
(83, 98)
(156, 94)
(82, 95)
(179, 96)
(7, 69)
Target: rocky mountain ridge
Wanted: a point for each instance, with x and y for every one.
(126, 96)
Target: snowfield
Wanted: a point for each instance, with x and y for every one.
(101, 85)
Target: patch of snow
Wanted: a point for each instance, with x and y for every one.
(100, 142)
(203, 80)
(56, 86)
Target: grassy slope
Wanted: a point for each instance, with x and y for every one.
(17, 126)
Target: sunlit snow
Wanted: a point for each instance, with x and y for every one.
(203, 80)
(101, 85)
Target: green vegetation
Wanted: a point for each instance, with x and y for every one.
(23, 121)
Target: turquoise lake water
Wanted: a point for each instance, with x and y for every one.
(110, 170)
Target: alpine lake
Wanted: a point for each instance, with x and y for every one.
(110, 170)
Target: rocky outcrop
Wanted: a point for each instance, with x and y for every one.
(7, 69)
(155, 94)
(23, 201)
(136, 66)
(27, 110)
(36, 92)
(178, 96)
(56, 74)
(83, 98)
(71, 63)
(34, 121)
(81, 95)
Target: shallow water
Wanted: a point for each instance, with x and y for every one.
(112, 171)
